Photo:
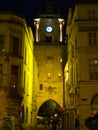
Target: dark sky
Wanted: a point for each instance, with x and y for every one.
(30, 8)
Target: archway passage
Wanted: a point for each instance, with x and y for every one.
(48, 111)
(49, 108)
(94, 103)
(92, 121)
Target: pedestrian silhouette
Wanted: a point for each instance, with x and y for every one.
(92, 122)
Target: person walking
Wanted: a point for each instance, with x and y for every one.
(77, 123)
(55, 123)
(92, 122)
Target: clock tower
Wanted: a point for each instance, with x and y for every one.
(51, 54)
(49, 25)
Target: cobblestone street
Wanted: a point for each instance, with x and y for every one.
(45, 128)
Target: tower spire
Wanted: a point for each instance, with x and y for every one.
(49, 10)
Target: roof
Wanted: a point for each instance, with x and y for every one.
(49, 10)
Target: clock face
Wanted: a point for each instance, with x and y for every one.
(49, 29)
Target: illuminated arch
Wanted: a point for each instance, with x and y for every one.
(48, 108)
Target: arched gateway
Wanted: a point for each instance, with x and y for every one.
(51, 55)
(49, 111)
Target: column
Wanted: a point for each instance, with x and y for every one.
(37, 22)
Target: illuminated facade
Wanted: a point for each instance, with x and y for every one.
(16, 71)
(82, 81)
(33, 72)
(50, 52)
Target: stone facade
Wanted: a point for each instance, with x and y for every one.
(82, 83)
(16, 71)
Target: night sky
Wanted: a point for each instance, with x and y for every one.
(30, 8)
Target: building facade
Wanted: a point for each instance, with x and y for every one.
(16, 72)
(50, 49)
(33, 72)
(81, 71)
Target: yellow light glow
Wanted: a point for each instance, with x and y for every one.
(61, 60)
(59, 74)
(14, 86)
(66, 72)
(49, 75)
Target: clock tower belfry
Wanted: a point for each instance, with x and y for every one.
(49, 25)
(50, 54)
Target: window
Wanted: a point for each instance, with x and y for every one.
(15, 46)
(1, 43)
(22, 114)
(92, 39)
(49, 59)
(93, 69)
(14, 79)
(1, 71)
(91, 14)
(1, 68)
(72, 75)
(72, 48)
(72, 100)
(41, 86)
(26, 114)
(76, 43)
(66, 39)
(25, 56)
(49, 39)
(76, 73)
(24, 80)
